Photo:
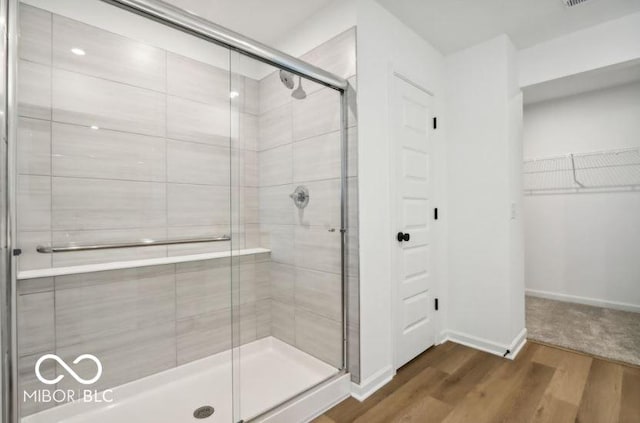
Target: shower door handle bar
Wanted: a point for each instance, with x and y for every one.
(147, 243)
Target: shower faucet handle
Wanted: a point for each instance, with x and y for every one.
(300, 196)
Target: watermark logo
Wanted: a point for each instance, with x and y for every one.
(69, 395)
(68, 369)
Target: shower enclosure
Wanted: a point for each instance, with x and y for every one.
(176, 217)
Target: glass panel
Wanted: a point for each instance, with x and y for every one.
(288, 190)
(124, 137)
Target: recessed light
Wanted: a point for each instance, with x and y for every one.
(78, 51)
(234, 94)
(94, 127)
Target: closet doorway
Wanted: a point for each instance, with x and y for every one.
(582, 212)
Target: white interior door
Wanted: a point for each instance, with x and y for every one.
(412, 119)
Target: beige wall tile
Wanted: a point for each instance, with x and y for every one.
(36, 332)
(319, 336)
(93, 306)
(190, 120)
(202, 287)
(319, 292)
(251, 102)
(34, 90)
(35, 34)
(282, 282)
(275, 127)
(275, 205)
(198, 205)
(194, 163)
(27, 381)
(34, 203)
(272, 93)
(317, 158)
(247, 324)
(84, 204)
(280, 240)
(34, 146)
(108, 55)
(110, 105)
(283, 321)
(125, 356)
(197, 81)
(82, 152)
(275, 166)
(203, 335)
(263, 319)
(318, 114)
(248, 131)
(318, 249)
(32, 286)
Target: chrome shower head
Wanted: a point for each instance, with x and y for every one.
(299, 93)
(287, 79)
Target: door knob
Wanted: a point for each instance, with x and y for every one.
(403, 237)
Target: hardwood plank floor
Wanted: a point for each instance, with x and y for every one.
(452, 383)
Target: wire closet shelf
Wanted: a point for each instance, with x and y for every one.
(611, 170)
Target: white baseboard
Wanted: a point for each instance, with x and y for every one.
(489, 346)
(376, 381)
(370, 385)
(441, 338)
(583, 300)
(517, 344)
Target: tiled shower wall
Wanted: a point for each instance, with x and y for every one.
(299, 144)
(137, 321)
(164, 173)
(158, 166)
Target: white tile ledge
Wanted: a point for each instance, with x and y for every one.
(116, 265)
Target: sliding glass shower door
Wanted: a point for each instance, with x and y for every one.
(180, 221)
(124, 158)
(287, 189)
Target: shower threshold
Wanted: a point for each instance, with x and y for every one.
(270, 372)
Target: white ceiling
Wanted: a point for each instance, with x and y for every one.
(451, 25)
(266, 21)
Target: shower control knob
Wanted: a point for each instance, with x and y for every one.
(403, 237)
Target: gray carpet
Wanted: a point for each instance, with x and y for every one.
(603, 332)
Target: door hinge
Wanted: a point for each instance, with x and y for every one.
(436, 304)
(435, 214)
(435, 123)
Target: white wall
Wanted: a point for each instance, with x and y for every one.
(592, 121)
(483, 173)
(602, 45)
(584, 247)
(385, 43)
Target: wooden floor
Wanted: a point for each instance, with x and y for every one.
(454, 384)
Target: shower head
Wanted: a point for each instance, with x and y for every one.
(299, 93)
(287, 79)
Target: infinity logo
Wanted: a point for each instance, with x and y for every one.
(68, 369)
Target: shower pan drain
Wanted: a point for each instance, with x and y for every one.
(203, 412)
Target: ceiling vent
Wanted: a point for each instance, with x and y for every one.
(571, 3)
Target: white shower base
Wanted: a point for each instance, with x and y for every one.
(270, 372)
